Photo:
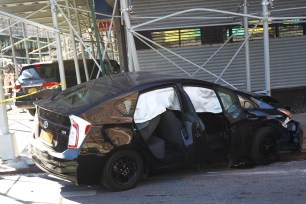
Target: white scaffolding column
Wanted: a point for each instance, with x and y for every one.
(58, 45)
(81, 46)
(6, 138)
(246, 46)
(265, 14)
(25, 42)
(75, 54)
(49, 45)
(13, 48)
(130, 37)
(38, 44)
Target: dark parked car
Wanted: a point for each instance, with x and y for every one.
(42, 80)
(115, 129)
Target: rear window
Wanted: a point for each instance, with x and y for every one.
(37, 72)
(85, 94)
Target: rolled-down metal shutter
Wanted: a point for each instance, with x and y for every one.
(159, 8)
(288, 63)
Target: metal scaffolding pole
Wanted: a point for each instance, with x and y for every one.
(246, 46)
(24, 33)
(6, 138)
(81, 46)
(93, 16)
(75, 54)
(38, 44)
(265, 14)
(13, 49)
(130, 37)
(49, 47)
(58, 45)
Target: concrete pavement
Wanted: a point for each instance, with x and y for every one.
(21, 122)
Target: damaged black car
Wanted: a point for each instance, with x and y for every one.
(114, 130)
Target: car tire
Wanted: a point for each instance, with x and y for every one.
(265, 148)
(122, 171)
(32, 112)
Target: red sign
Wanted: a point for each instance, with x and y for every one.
(104, 24)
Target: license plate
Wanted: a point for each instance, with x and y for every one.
(32, 90)
(46, 136)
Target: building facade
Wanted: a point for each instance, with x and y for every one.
(197, 35)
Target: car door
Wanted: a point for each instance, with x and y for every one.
(194, 132)
(208, 108)
(239, 127)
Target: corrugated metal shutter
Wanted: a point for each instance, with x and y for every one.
(158, 8)
(288, 62)
(288, 59)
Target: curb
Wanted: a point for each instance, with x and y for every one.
(293, 156)
(30, 170)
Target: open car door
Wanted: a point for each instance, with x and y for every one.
(194, 132)
(239, 126)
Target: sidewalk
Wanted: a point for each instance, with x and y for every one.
(20, 123)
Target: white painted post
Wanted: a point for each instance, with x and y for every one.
(7, 150)
(58, 45)
(130, 37)
(13, 48)
(25, 42)
(75, 55)
(246, 46)
(81, 46)
(265, 14)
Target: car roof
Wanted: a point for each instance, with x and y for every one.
(129, 80)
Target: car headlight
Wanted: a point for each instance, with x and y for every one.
(284, 111)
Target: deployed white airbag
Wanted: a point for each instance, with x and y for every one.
(154, 103)
(203, 99)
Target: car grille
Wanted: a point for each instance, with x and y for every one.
(53, 129)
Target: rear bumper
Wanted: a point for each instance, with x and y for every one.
(63, 165)
(24, 104)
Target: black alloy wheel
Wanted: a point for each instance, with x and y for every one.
(122, 170)
(264, 148)
(267, 145)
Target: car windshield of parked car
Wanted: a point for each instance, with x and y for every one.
(203, 99)
(37, 72)
(85, 94)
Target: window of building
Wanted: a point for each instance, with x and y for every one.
(219, 34)
(178, 38)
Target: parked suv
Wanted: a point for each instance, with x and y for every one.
(42, 80)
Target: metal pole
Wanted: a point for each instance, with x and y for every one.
(6, 142)
(246, 46)
(91, 38)
(13, 49)
(121, 42)
(38, 45)
(81, 46)
(4, 129)
(26, 43)
(49, 47)
(75, 55)
(94, 22)
(265, 14)
(58, 45)
(130, 37)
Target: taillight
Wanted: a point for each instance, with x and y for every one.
(17, 87)
(78, 131)
(50, 85)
